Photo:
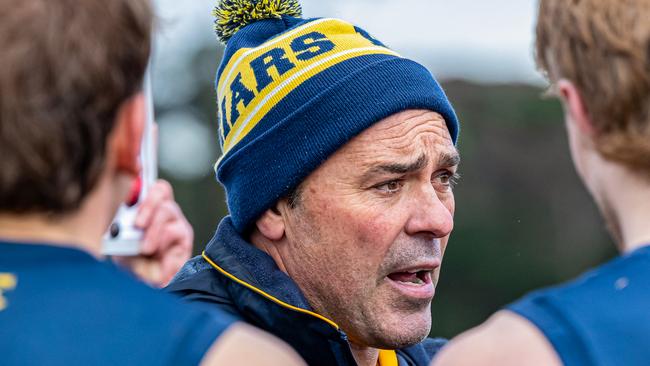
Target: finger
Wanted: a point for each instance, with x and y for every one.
(160, 192)
(172, 262)
(153, 242)
(157, 193)
(179, 237)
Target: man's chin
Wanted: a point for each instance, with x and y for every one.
(403, 331)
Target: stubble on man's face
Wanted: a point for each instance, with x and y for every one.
(366, 240)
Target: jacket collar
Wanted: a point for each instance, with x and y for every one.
(244, 261)
(269, 298)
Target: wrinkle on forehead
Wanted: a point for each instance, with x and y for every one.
(405, 117)
(399, 139)
(402, 132)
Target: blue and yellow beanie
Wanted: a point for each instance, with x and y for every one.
(292, 91)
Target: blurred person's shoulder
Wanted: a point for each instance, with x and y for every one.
(601, 318)
(625, 274)
(62, 306)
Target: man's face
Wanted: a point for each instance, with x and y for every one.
(366, 238)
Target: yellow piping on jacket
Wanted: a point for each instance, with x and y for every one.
(274, 299)
(387, 358)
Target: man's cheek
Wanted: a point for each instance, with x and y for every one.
(376, 229)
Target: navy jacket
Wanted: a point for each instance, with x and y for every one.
(234, 276)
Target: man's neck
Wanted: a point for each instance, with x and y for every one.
(365, 356)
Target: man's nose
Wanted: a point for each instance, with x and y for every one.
(430, 215)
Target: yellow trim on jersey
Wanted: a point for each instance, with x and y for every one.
(8, 282)
(270, 297)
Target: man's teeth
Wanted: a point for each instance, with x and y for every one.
(408, 277)
(416, 280)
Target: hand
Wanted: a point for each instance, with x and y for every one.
(167, 241)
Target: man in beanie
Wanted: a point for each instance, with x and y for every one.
(596, 54)
(71, 123)
(338, 163)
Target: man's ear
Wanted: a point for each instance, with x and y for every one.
(271, 224)
(126, 138)
(574, 107)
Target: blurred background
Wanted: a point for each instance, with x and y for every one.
(523, 219)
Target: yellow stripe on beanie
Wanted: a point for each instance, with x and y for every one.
(267, 74)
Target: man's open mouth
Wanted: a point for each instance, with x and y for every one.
(417, 277)
(415, 281)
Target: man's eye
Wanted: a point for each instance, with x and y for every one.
(448, 179)
(390, 187)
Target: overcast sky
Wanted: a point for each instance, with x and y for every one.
(470, 39)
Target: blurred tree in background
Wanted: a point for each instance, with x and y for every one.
(523, 219)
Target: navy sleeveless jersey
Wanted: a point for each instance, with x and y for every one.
(61, 306)
(600, 319)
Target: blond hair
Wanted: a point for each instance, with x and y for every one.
(603, 47)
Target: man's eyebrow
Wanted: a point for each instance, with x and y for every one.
(399, 168)
(449, 159)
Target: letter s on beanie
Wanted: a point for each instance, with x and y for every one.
(292, 91)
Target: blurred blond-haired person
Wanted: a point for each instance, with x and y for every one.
(596, 54)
